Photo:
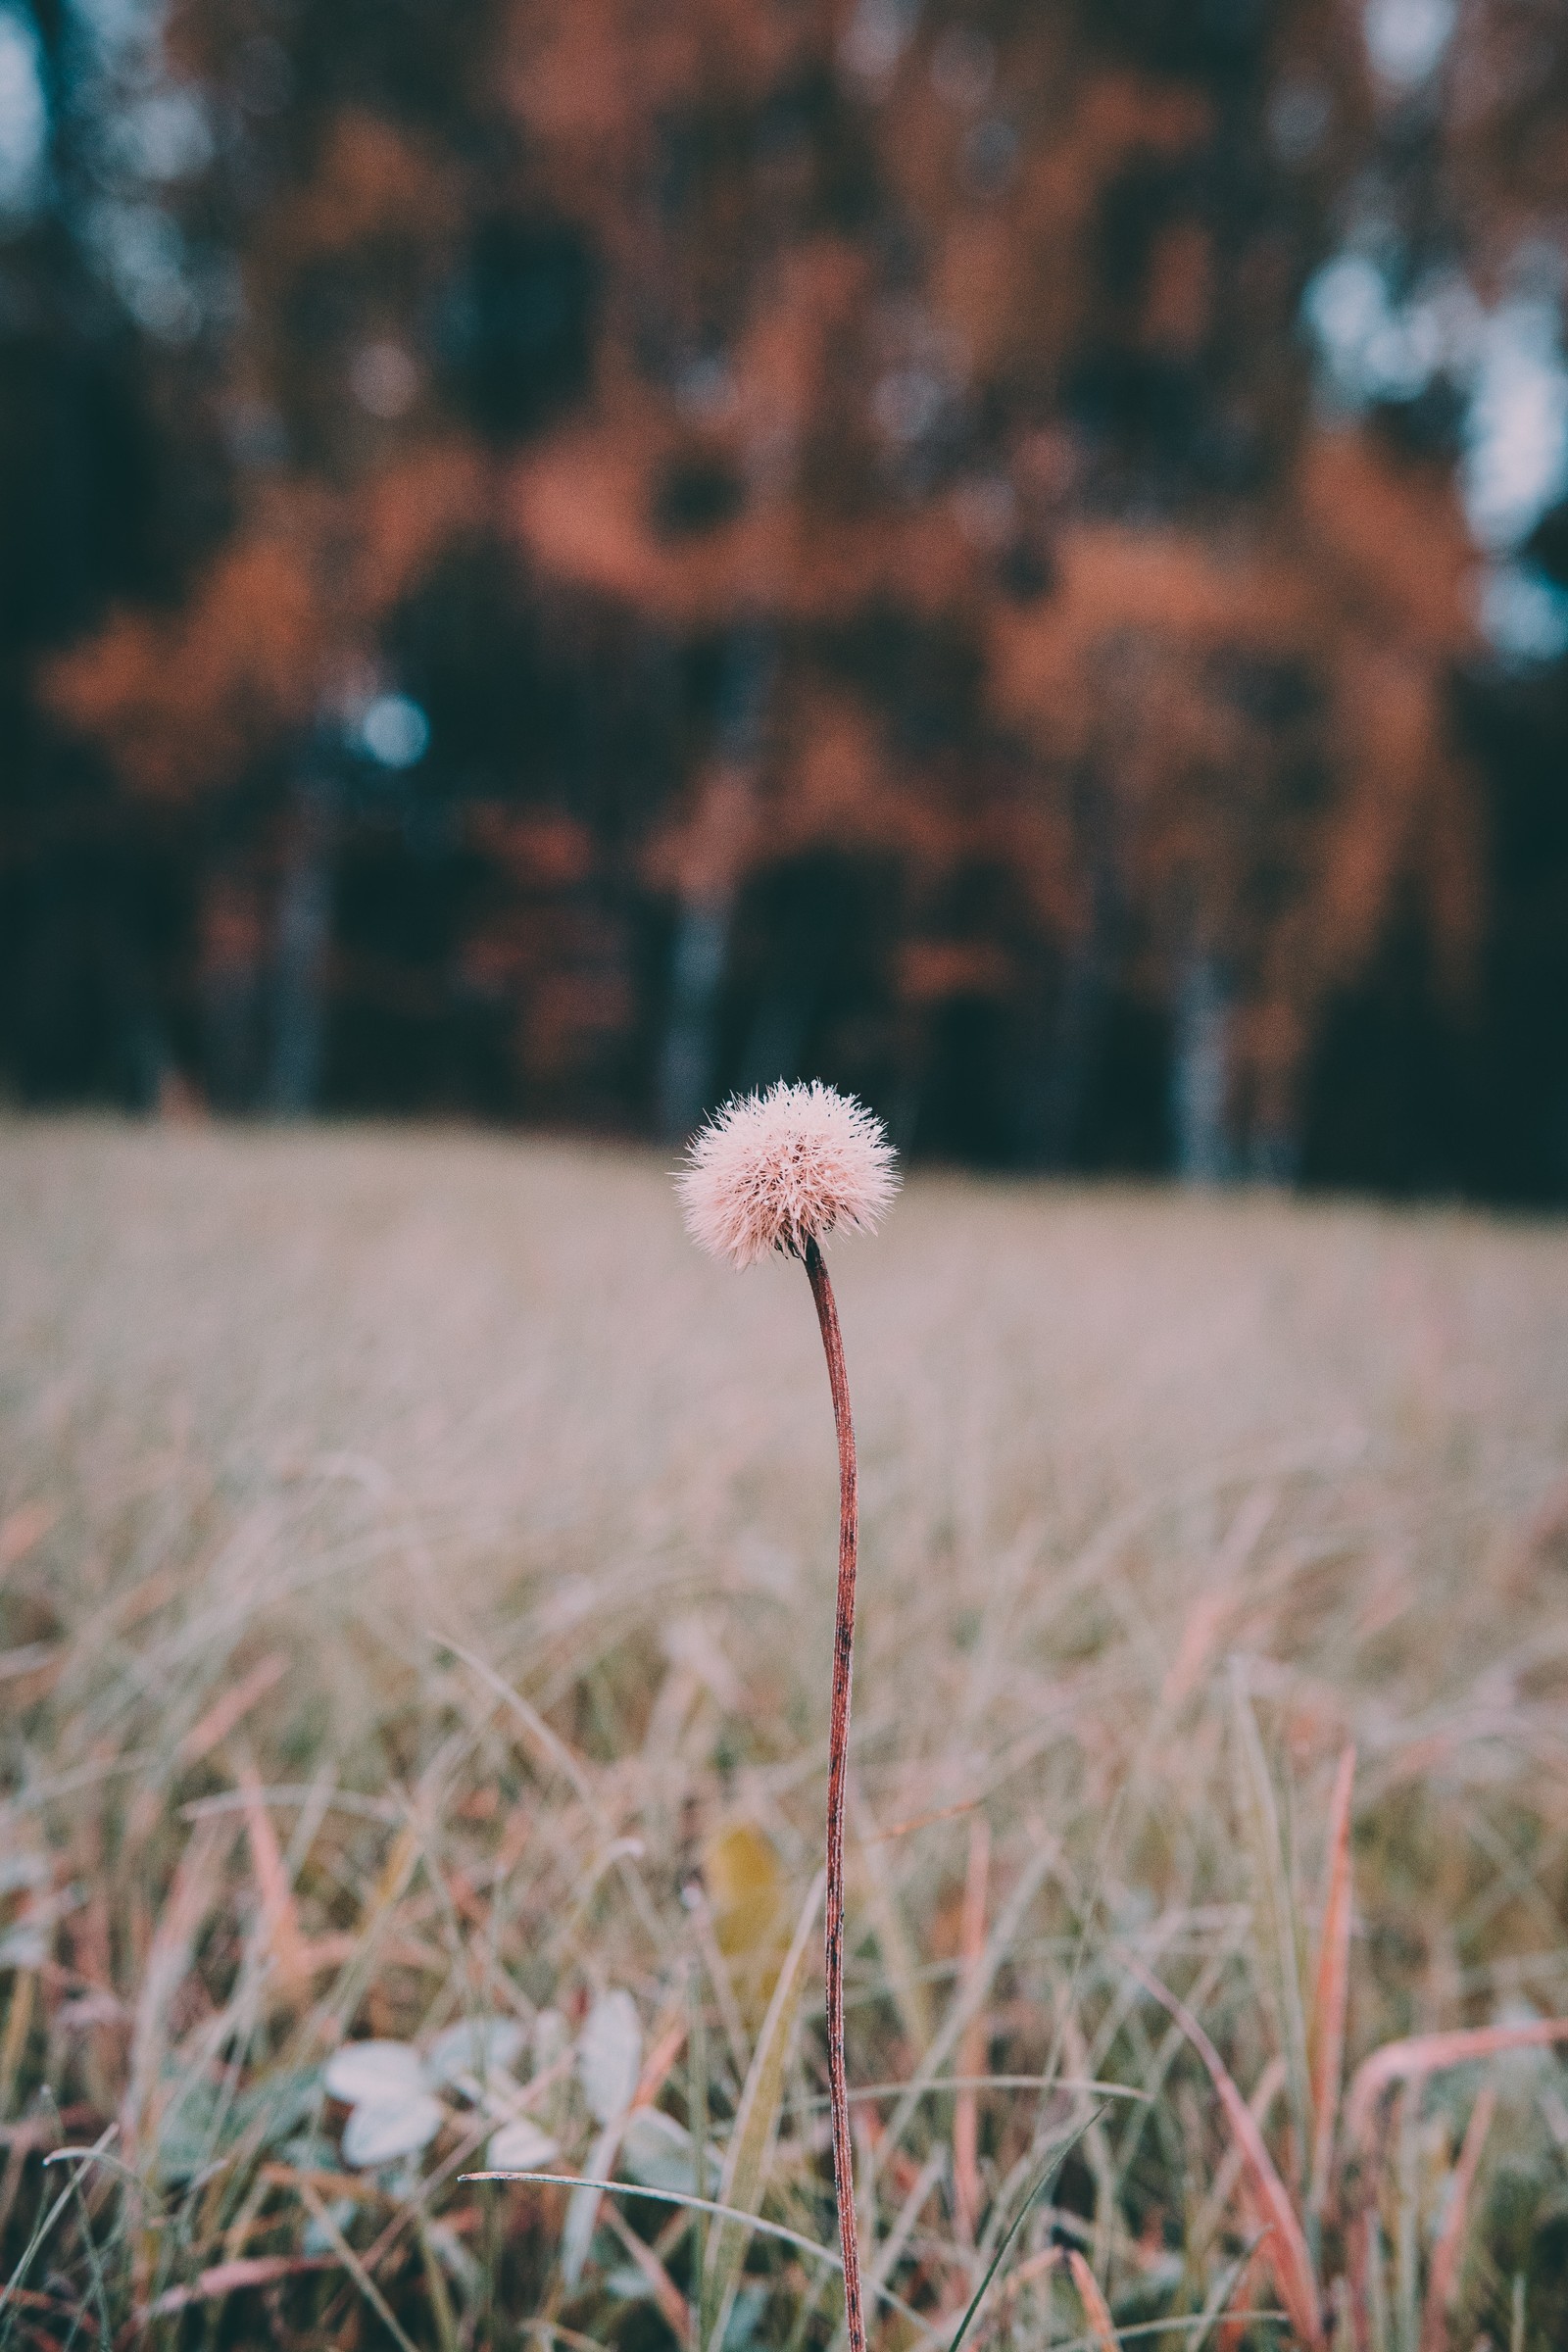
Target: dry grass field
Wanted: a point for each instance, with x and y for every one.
(416, 1589)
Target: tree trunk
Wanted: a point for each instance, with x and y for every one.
(700, 959)
(1052, 1120)
(299, 977)
(1201, 1075)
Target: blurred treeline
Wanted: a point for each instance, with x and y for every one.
(562, 556)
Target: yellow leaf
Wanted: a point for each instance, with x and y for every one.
(748, 1893)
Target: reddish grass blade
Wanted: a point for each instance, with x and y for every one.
(1428, 2054)
(1028, 2274)
(667, 2047)
(232, 2279)
(1097, 2311)
(674, 2308)
(1287, 2251)
(1238, 2316)
(1212, 2213)
(1330, 1992)
(1448, 2251)
(1207, 1619)
(221, 1717)
(21, 1529)
(189, 1899)
(280, 1917)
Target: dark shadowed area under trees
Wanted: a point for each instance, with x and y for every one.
(564, 558)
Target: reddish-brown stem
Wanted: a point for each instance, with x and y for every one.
(838, 1762)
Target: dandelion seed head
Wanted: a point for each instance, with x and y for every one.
(776, 1170)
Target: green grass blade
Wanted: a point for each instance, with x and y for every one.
(753, 2223)
(1042, 2179)
(47, 2221)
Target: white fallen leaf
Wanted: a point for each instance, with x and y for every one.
(521, 2146)
(582, 2205)
(552, 2038)
(610, 2055)
(376, 2135)
(660, 2153)
(382, 2074)
(484, 2046)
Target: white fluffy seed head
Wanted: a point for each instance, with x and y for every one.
(776, 1170)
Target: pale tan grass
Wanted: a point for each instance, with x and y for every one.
(335, 1399)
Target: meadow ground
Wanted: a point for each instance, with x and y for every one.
(416, 1573)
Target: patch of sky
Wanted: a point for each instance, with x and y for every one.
(1300, 114)
(1516, 454)
(141, 250)
(1509, 363)
(394, 732)
(878, 34)
(119, 26)
(1405, 39)
(1522, 614)
(23, 122)
(1374, 349)
(164, 135)
(144, 131)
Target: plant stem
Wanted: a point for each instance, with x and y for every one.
(838, 1762)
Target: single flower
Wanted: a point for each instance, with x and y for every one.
(782, 1171)
(777, 1170)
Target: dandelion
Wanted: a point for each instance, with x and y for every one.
(780, 1171)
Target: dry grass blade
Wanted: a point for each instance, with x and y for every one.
(1055, 2158)
(756, 2127)
(668, 2041)
(1212, 2213)
(17, 2028)
(1429, 2054)
(890, 2251)
(280, 1915)
(1209, 1613)
(550, 1745)
(1234, 2315)
(1443, 2277)
(1097, 2311)
(189, 1899)
(972, 1994)
(674, 2308)
(972, 2045)
(1331, 1989)
(356, 2268)
(222, 1717)
(1028, 2274)
(1288, 2258)
(910, 1993)
(21, 1529)
(1231, 2288)
(1275, 1908)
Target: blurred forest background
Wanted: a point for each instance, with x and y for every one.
(563, 556)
